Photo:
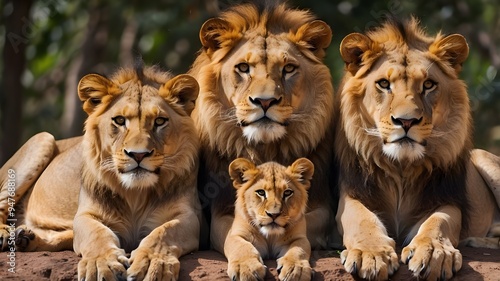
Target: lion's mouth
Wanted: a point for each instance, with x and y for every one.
(408, 141)
(264, 121)
(140, 171)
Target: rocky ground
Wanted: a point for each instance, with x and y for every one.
(478, 264)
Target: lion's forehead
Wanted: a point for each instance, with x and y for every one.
(407, 66)
(139, 101)
(269, 50)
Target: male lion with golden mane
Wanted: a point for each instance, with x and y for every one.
(134, 172)
(404, 146)
(265, 95)
(269, 220)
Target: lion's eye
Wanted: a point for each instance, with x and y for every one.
(289, 68)
(160, 121)
(261, 192)
(429, 84)
(243, 67)
(384, 84)
(287, 193)
(119, 120)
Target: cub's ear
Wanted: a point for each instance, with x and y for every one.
(315, 36)
(240, 171)
(94, 89)
(352, 48)
(453, 49)
(212, 31)
(184, 88)
(302, 170)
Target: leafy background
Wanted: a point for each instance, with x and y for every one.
(48, 45)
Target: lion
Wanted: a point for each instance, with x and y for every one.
(130, 183)
(404, 145)
(265, 95)
(269, 220)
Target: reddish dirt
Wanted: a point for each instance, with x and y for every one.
(478, 264)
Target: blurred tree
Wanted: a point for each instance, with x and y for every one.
(68, 39)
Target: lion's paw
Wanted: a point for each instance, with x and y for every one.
(147, 265)
(250, 269)
(5, 237)
(432, 259)
(24, 236)
(374, 263)
(109, 266)
(292, 269)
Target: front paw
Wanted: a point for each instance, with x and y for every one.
(370, 262)
(432, 259)
(109, 266)
(148, 265)
(250, 269)
(293, 269)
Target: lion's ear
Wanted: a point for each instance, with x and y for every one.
(184, 88)
(352, 48)
(93, 88)
(452, 48)
(238, 170)
(211, 32)
(315, 36)
(302, 169)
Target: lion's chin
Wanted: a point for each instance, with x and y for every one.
(138, 178)
(264, 133)
(272, 229)
(404, 151)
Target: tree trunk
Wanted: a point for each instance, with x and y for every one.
(18, 32)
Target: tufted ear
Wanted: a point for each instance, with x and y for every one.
(93, 88)
(352, 48)
(211, 31)
(452, 48)
(184, 88)
(239, 171)
(302, 169)
(315, 36)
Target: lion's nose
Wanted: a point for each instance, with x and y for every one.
(406, 123)
(138, 156)
(265, 103)
(273, 215)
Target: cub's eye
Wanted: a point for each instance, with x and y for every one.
(160, 121)
(384, 84)
(243, 67)
(289, 68)
(119, 120)
(287, 193)
(261, 192)
(429, 84)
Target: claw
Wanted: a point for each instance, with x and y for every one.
(354, 268)
(279, 269)
(234, 278)
(443, 275)
(423, 272)
(409, 257)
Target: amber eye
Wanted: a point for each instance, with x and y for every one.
(261, 192)
(429, 84)
(243, 67)
(287, 193)
(289, 68)
(384, 84)
(160, 121)
(119, 120)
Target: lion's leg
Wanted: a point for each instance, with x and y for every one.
(18, 175)
(318, 224)
(157, 257)
(370, 252)
(219, 229)
(488, 165)
(294, 264)
(431, 254)
(35, 239)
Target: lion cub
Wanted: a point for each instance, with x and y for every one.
(269, 220)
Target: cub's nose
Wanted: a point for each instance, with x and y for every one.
(273, 215)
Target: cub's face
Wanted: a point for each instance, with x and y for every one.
(137, 128)
(270, 196)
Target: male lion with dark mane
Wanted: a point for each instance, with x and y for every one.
(129, 182)
(265, 95)
(404, 145)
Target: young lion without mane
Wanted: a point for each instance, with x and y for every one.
(407, 173)
(136, 165)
